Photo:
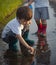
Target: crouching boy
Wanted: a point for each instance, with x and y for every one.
(12, 31)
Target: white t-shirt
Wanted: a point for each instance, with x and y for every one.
(41, 3)
(13, 26)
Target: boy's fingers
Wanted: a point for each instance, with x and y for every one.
(32, 50)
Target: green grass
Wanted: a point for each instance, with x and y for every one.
(6, 9)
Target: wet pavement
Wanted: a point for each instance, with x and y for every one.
(51, 33)
(48, 57)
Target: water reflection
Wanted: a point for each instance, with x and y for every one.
(27, 60)
(43, 55)
(12, 58)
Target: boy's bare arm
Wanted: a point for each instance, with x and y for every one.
(24, 43)
(30, 2)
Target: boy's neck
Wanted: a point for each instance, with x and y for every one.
(18, 21)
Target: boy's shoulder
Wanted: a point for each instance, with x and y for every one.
(13, 24)
(13, 21)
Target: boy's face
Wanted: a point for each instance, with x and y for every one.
(24, 22)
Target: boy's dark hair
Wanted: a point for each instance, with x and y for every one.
(24, 13)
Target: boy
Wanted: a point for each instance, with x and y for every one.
(12, 31)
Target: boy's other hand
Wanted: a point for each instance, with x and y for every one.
(26, 4)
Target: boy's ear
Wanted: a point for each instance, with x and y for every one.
(30, 22)
(21, 21)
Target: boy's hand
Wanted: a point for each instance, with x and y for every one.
(26, 4)
(31, 50)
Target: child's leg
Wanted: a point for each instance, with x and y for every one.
(25, 36)
(39, 24)
(30, 42)
(44, 17)
(11, 40)
(44, 27)
(37, 17)
(13, 43)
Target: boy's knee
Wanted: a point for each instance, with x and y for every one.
(37, 21)
(30, 42)
(44, 22)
